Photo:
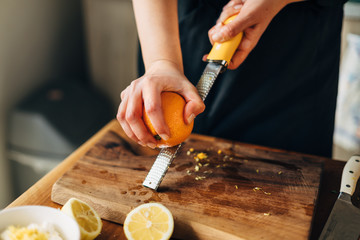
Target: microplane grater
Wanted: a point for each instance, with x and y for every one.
(167, 155)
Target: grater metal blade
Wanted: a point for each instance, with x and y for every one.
(167, 155)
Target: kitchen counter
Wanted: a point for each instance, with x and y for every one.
(40, 192)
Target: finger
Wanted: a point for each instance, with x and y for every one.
(194, 104)
(233, 3)
(204, 58)
(213, 31)
(122, 120)
(141, 132)
(134, 119)
(229, 4)
(122, 94)
(153, 109)
(230, 30)
(250, 39)
(238, 58)
(228, 12)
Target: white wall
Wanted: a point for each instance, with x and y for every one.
(351, 25)
(112, 44)
(5, 193)
(39, 40)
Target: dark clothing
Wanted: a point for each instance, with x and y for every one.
(284, 94)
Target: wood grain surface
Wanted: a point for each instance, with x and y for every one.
(240, 192)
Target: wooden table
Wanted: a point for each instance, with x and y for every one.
(39, 193)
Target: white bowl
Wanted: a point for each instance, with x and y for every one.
(26, 215)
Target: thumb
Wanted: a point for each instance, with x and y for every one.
(230, 30)
(194, 105)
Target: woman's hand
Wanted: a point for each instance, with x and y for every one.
(162, 75)
(253, 18)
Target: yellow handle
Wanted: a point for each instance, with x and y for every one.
(225, 50)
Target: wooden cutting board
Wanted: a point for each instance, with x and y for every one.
(236, 191)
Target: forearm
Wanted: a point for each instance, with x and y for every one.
(158, 30)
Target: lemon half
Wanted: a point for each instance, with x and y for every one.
(149, 221)
(90, 223)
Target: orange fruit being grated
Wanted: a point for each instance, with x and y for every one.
(173, 110)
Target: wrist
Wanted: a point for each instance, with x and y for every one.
(164, 64)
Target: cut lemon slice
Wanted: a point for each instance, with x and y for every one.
(149, 221)
(89, 221)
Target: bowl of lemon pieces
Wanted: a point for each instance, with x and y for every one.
(76, 220)
(37, 222)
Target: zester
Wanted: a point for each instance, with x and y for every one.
(218, 60)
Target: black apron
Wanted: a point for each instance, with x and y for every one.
(284, 94)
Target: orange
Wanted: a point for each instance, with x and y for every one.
(173, 109)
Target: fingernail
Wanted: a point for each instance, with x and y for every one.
(217, 37)
(142, 144)
(164, 136)
(237, 7)
(218, 25)
(151, 145)
(191, 118)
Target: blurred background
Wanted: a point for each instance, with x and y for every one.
(63, 65)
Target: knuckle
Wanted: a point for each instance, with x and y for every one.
(131, 135)
(142, 137)
(211, 31)
(201, 107)
(131, 117)
(150, 82)
(152, 108)
(120, 117)
(122, 94)
(230, 32)
(146, 80)
(132, 85)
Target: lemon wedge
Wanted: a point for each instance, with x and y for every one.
(149, 221)
(89, 221)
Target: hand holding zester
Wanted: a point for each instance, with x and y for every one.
(253, 17)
